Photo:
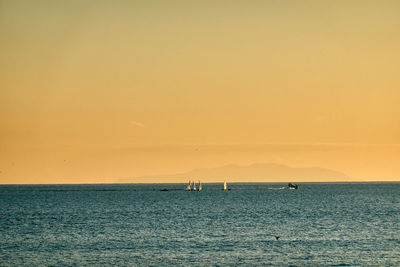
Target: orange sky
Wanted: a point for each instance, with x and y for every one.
(91, 91)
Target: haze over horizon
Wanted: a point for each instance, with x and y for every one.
(93, 92)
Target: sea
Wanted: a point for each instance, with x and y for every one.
(320, 224)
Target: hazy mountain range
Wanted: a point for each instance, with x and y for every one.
(251, 173)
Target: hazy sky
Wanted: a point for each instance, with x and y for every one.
(95, 90)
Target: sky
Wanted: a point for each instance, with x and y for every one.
(95, 91)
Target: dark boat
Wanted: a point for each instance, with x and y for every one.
(293, 186)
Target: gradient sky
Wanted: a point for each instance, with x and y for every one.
(91, 91)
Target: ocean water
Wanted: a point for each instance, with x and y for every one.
(139, 225)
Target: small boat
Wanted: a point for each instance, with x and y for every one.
(226, 187)
(200, 186)
(293, 186)
(189, 186)
(194, 186)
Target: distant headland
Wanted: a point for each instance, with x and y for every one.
(258, 172)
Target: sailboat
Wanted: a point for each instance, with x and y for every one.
(200, 187)
(224, 186)
(194, 186)
(189, 186)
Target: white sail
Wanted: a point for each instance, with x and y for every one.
(200, 187)
(194, 186)
(225, 186)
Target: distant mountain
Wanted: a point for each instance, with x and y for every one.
(251, 173)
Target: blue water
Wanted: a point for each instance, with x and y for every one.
(139, 225)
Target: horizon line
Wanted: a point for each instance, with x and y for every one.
(213, 182)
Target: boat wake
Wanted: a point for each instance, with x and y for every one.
(276, 188)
